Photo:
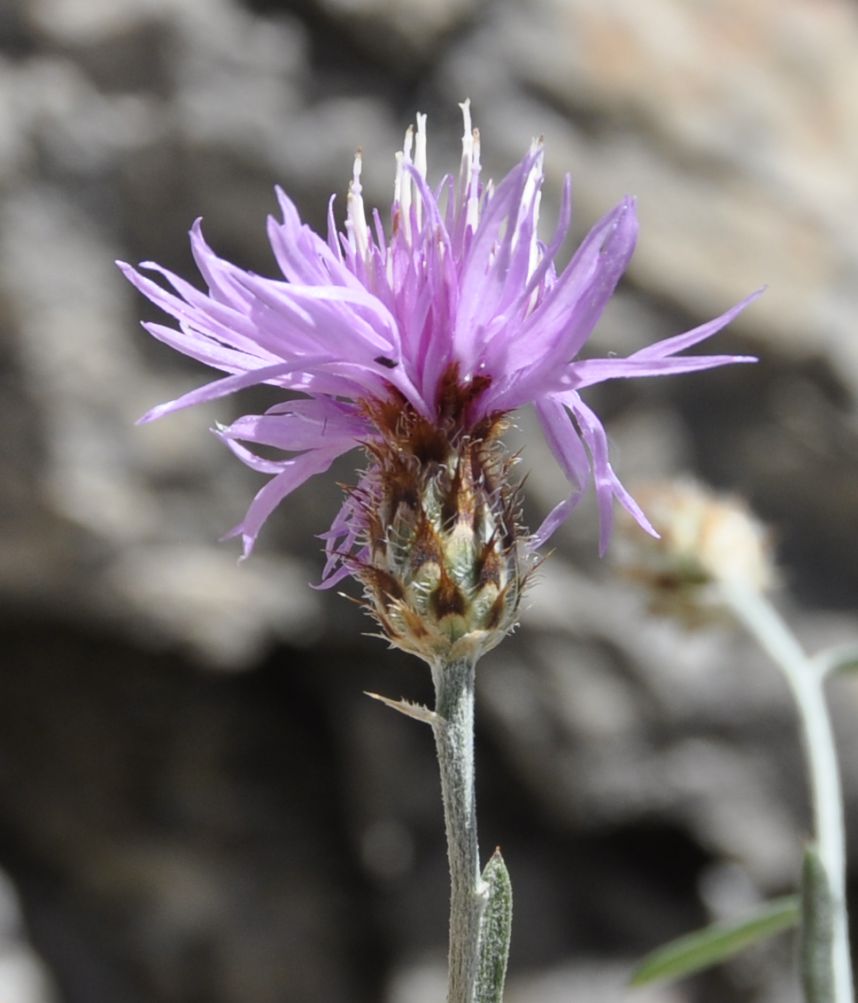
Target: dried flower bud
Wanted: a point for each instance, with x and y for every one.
(445, 559)
(704, 539)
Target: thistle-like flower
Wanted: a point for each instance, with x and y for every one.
(415, 343)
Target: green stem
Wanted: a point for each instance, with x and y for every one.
(806, 682)
(454, 740)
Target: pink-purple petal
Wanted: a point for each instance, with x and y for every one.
(292, 475)
(481, 281)
(206, 350)
(294, 432)
(607, 484)
(565, 443)
(565, 319)
(222, 388)
(590, 371)
(559, 326)
(670, 346)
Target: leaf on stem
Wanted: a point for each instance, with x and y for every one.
(816, 958)
(716, 943)
(495, 929)
(415, 710)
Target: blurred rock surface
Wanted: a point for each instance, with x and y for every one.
(196, 801)
(23, 977)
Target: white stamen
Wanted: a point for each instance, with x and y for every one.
(420, 146)
(397, 183)
(408, 143)
(355, 215)
(535, 256)
(420, 162)
(467, 142)
(535, 173)
(473, 212)
(406, 185)
(530, 198)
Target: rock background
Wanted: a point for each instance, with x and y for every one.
(196, 800)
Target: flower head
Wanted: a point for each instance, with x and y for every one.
(414, 342)
(706, 540)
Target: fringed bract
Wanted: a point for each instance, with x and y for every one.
(447, 558)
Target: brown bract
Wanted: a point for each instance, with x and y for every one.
(448, 558)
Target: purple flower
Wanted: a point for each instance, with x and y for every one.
(456, 315)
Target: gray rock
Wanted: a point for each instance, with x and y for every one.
(196, 801)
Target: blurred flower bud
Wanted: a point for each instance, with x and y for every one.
(705, 539)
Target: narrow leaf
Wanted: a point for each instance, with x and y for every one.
(406, 707)
(495, 930)
(716, 943)
(817, 931)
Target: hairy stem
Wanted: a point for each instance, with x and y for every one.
(454, 740)
(806, 682)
